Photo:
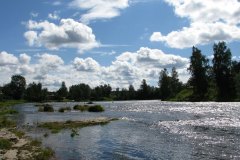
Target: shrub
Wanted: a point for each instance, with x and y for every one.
(81, 108)
(96, 108)
(63, 109)
(46, 108)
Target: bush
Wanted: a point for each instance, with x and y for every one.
(96, 108)
(46, 108)
(63, 109)
(81, 108)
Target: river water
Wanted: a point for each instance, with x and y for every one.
(145, 130)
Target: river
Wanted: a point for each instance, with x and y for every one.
(145, 130)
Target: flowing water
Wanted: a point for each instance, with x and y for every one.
(145, 130)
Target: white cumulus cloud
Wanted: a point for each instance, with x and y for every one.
(127, 68)
(210, 21)
(68, 34)
(7, 59)
(87, 65)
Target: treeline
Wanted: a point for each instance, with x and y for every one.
(215, 80)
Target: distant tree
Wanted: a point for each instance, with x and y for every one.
(7, 91)
(101, 92)
(124, 94)
(222, 63)
(80, 92)
(176, 85)
(131, 92)
(235, 67)
(16, 88)
(236, 75)
(62, 92)
(164, 84)
(35, 92)
(199, 78)
(144, 90)
(106, 90)
(237, 86)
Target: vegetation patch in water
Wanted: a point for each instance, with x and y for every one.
(63, 109)
(95, 108)
(46, 108)
(81, 108)
(57, 126)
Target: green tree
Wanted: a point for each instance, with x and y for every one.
(199, 78)
(80, 92)
(236, 75)
(164, 84)
(62, 92)
(131, 92)
(176, 85)
(35, 93)
(222, 63)
(237, 86)
(16, 88)
(144, 91)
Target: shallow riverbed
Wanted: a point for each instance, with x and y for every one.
(146, 130)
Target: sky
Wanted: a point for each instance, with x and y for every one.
(116, 42)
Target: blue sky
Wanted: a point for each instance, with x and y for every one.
(119, 42)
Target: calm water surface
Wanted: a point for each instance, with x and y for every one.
(146, 130)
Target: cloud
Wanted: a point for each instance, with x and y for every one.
(57, 3)
(87, 65)
(54, 15)
(31, 37)
(68, 34)
(127, 68)
(101, 9)
(210, 21)
(34, 14)
(24, 58)
(50, 60)
(7, 59)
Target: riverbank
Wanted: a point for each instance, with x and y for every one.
(14, 144)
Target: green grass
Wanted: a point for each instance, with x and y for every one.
(5, 144)
(45, 154)
(57, 126)
(5, 106)
(6, 123)
(184, 95)
(18, 133)
(10, 103)
(35, 142)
